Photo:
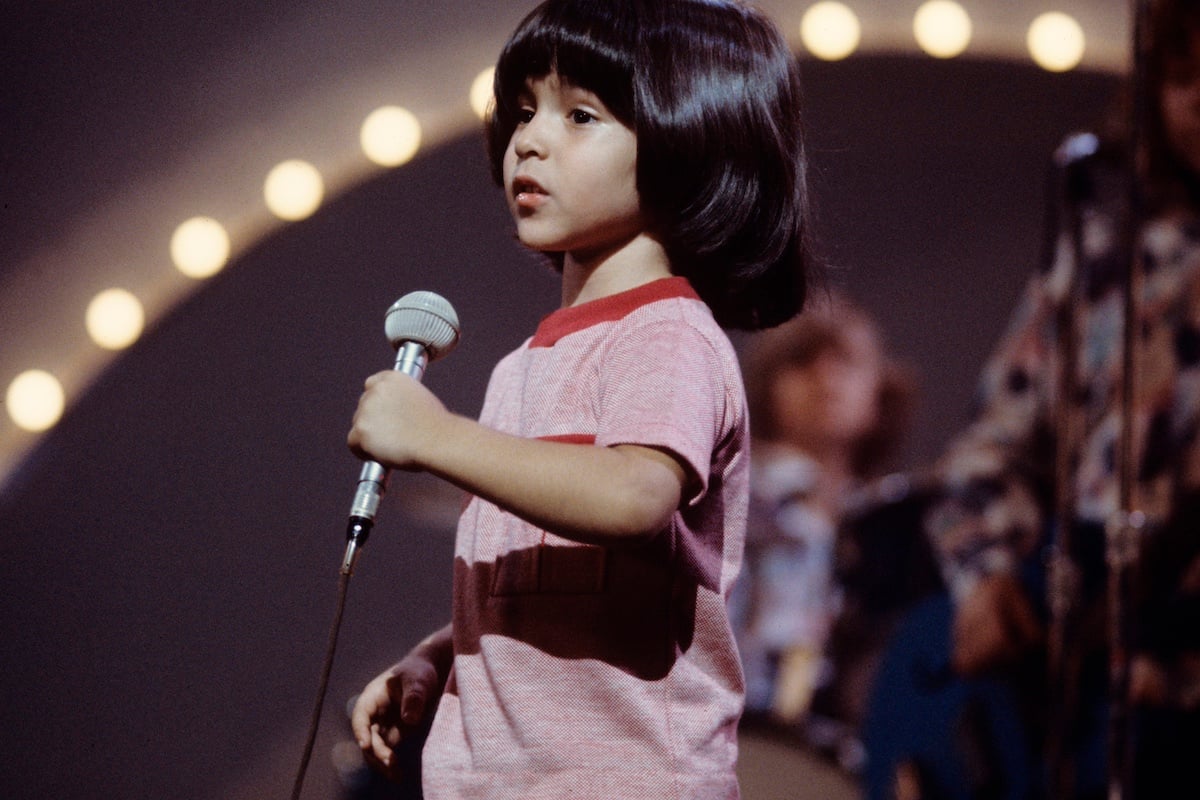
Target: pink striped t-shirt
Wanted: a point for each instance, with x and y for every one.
(588, 672)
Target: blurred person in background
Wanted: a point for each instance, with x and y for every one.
(828, 412)
(1033, 514)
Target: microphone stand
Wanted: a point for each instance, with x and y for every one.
(1124, 532)
(1064, 581)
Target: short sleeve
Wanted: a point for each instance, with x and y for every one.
(662, 384)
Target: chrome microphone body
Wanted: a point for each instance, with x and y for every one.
(372, 480)
(422, 326)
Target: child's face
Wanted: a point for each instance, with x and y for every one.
(570, 172)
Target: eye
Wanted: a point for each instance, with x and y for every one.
(581, 117)
(524, 115)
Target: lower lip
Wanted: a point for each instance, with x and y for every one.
(530, 200)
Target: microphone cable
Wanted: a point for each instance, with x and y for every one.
(315, 722)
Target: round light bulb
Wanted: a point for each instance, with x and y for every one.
(1056, 42)
(294, 190)
(481, 93)
(942, 28)
(391, 136)
(115, 319)
(830, 30)
(35, 400)
(200, 247)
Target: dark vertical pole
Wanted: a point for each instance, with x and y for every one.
(1063, 586)
(1125, 531)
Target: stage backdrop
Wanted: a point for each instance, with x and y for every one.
(170, 551)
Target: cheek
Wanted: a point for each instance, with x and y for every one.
(509, 160)
(508, 166)
(618, 167)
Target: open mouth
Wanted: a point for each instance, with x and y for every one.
(526, 186)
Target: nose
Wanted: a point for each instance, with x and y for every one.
(529, 138)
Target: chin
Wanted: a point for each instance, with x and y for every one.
(541, 240)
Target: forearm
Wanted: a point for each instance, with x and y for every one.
(598, 495)
(438, 649)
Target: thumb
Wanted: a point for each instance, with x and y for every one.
(412, 704)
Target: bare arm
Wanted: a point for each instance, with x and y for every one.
(599, 495)
(399, 700)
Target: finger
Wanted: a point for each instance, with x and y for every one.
(370, 706)
(391, 735)
(380, 750)
(368, 752)
(376, 378)
(360, 723)
(354, 437)
(412, 705)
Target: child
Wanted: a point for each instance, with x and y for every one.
(652, 150)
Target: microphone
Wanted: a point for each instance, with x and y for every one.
(1076, 148)
(422, 327)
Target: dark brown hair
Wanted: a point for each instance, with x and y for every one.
(799, 343)
(712, 92)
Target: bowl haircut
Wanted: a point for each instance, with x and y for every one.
(712, 92)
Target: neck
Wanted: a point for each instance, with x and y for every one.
(592, 275)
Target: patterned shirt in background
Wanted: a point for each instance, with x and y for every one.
(785, 602)
(998, 475)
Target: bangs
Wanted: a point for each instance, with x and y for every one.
(588, 44)
(588, 47)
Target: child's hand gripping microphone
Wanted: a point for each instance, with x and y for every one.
(422, 327)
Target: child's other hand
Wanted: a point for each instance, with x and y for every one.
(392, 706)
(396, 421)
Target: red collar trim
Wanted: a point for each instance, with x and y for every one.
(573, 319)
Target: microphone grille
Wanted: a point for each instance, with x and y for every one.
(423, 317)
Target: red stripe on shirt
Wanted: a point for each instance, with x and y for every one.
(572, 319)
(571, 438)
